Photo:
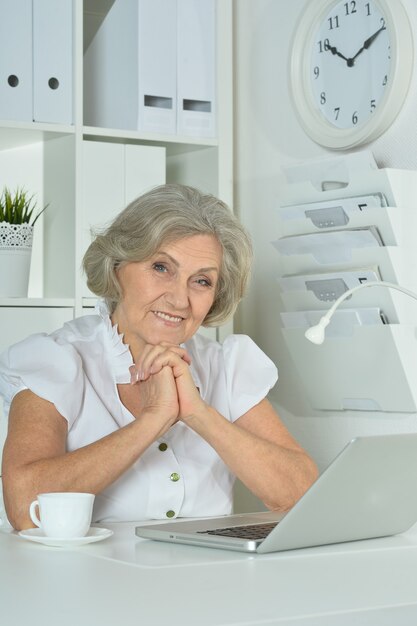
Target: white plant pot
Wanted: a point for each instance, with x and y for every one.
(15, 254)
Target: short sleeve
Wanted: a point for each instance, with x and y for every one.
(250, 374)
(51, 370)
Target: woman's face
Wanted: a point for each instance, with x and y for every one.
(167, 297)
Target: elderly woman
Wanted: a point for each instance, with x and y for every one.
(132, 404)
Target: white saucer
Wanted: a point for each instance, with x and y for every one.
(94, 534)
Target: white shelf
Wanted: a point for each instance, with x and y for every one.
(17, 134)
(49, 160)
(95, 133)
(55, 303)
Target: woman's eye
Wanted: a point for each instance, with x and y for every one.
(204, 282)
(159, 267)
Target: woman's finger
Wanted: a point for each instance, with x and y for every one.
(151, 360)
(147, 361)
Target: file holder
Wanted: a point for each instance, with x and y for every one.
(335, 246)
(347, 177)
(395, 264)
(331, 213)
(343, 321)
(133, 86)
(396, 310)
(365, 367)
(157, 52)
(396, 259)
(163, 78)
(371, 370)
(111, 70)
(196, 93)
(328, 287)
(396, 225)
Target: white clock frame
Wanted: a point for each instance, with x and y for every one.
(310, 116)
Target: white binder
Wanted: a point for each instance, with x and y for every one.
(196, 105)
(53, 61)
(16, 60)
(157, 66)
(111, 67)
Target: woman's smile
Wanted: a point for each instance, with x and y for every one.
(166, 317)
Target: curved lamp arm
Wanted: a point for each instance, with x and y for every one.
(315, 334)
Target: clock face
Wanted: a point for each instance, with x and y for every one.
(350, 67)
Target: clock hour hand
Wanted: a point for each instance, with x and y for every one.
(368, 42)
(336, 52)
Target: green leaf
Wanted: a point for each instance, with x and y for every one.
(18, 207)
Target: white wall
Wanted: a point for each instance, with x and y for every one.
(267, 135)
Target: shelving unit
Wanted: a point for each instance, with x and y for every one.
(50, 160)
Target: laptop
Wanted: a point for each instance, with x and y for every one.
(368, 491)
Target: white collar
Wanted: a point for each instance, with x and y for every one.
(121, 357)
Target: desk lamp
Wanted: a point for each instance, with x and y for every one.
(316, 333)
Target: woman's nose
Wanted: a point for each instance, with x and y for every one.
(178, 295)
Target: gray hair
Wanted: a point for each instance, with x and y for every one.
(164, 215)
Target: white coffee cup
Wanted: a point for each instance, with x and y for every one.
(63, 515)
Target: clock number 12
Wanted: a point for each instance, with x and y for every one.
(350, 7)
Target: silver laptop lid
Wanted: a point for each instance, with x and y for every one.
(366, 492)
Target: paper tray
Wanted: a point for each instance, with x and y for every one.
(399, 187)
(374, 369)
(396, 225)
(396, 265)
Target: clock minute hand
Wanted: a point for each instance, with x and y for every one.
(368, 42)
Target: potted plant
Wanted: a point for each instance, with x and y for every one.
(18, 216)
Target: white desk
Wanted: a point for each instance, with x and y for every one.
(127, 581)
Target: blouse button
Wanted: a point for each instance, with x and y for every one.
(162, 447)
(174, 477)
(170, 513)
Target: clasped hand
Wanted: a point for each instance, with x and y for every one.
(165, 382)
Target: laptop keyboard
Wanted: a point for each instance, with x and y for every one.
(252, 531)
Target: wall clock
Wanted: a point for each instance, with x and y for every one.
(350, 69)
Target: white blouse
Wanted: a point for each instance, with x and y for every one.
(78, 367)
